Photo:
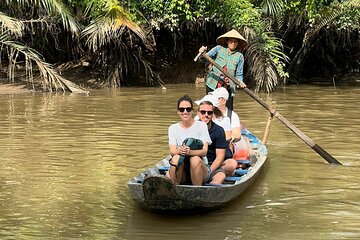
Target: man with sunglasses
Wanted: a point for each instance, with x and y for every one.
(217, 150)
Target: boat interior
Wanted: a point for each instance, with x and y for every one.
(244, 165)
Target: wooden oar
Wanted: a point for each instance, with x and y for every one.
(330, 159)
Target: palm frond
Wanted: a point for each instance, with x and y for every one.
(354, 3)
(3, 37)
(271, 7)
(249, 33)
(10, 25)
(109, 27)
(150, 75)
(52, 8)
(265, 60)
(50, 78)
(328, 15)
(69, 22)
(261, 71)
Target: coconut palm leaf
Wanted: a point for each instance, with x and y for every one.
(109, 27)
(58, 7)
(51, 79)
(3, 37)
(274, 9)
(118, 38)
(11, 28)
(264, 62)
(10, 25)
(52, 8)
(261, 69)
(327, 16)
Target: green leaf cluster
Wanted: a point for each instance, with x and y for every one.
(169, 14)
(238, 14)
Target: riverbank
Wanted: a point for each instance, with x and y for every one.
(91, 82)
(13, 88)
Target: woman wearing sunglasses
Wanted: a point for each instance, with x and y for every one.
(194, 169)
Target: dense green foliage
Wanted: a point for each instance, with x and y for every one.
(125, 40)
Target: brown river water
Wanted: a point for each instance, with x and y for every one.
(65, 160)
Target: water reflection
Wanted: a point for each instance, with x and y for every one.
(65, 160)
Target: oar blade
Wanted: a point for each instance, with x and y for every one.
(330, 159)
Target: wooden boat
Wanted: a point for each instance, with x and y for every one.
(155, 192)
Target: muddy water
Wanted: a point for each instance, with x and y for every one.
(65, 160)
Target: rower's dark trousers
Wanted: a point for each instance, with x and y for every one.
(229, 102)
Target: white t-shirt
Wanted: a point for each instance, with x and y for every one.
(235, 120)
(224, 122)
(198, 130)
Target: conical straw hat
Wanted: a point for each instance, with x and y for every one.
(232, 34)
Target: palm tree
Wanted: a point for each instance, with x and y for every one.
(302, 27)
(328, 17)
(116, 43)
(266, 61)
(12, 31)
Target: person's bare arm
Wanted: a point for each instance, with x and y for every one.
(236, 133)
(173, 150)
(184, 150)
(220, 156)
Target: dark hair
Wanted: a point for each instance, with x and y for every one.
(185, 98)
(217, 112)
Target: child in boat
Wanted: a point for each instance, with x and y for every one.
(194, 169)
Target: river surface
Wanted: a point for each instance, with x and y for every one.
(65, 160)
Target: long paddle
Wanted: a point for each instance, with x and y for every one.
(330, 159)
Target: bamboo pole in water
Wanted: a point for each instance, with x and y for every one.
(267, 130)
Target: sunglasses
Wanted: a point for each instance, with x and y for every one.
(208, 112)
(188, 109)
